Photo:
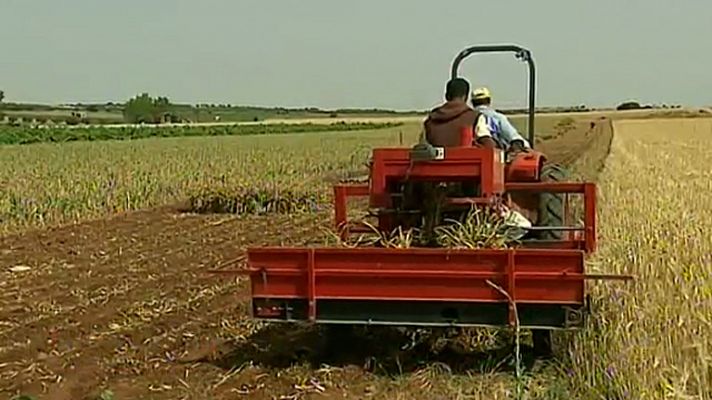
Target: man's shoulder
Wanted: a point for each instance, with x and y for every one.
(496, 115)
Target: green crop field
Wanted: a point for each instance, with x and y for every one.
(51, 183)
(28, 135)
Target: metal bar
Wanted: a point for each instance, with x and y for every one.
(609, 277)
(519, 52)
(556, 228)
(566, 211)
(572, 276)
(230, 271)
(527, 56)
(311, 285)
(432, 273)
(355, 190)
(420, 323)
(589, 206)
(553, 244)
(341, 195)
(552, 187)
(511, 283)
(277, 252)
(393, 273)
(340, 210)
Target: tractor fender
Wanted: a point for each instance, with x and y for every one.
(525, 167)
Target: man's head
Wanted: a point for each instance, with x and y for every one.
(481, 97)
(457, 89)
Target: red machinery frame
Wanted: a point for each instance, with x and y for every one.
(486, 166)
(539, 285)
(544, 280)
(281, 277)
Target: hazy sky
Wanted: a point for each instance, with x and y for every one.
(364, 53)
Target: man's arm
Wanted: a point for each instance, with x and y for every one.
(511, 135)
(483, 134)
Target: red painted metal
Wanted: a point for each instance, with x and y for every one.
(311, 285)
(553, 187)
(587, 189)
(586, 242)
(567, 217)
(475, 164)
(538, 272)
(590, 215)
(466, 135)
(342, 193)
(511, 287)
(531, 276)
(525, 167)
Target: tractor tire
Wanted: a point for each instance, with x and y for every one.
(551, 205)
(551, 213)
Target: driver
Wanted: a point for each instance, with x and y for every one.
(492, 128)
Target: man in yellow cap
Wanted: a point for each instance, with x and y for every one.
(492, 128)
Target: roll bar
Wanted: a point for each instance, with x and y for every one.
(521, 54)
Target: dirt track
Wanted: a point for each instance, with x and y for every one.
(126, 304)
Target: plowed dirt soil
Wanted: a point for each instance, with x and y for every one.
(126, 305)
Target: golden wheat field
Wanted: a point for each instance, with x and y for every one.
(104, 292)
(653, 338)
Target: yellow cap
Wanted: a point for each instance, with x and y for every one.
(481, 93)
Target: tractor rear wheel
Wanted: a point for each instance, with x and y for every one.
(550, 213)
(551, 205)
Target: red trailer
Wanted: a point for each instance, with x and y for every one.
(540, 284)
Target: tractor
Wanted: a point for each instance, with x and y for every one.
(539, 284)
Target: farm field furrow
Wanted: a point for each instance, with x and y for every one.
(124, 303)
(150, 297)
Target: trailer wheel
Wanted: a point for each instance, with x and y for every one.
(551, 205)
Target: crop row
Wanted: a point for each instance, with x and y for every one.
(47, 184)
(27, 135)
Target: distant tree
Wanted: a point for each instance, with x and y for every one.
(629, 105)
(2, 95)
(146, 109)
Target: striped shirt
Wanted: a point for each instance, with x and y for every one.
(495, 125)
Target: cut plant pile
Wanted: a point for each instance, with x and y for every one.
(243, 201)
(478, 228)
